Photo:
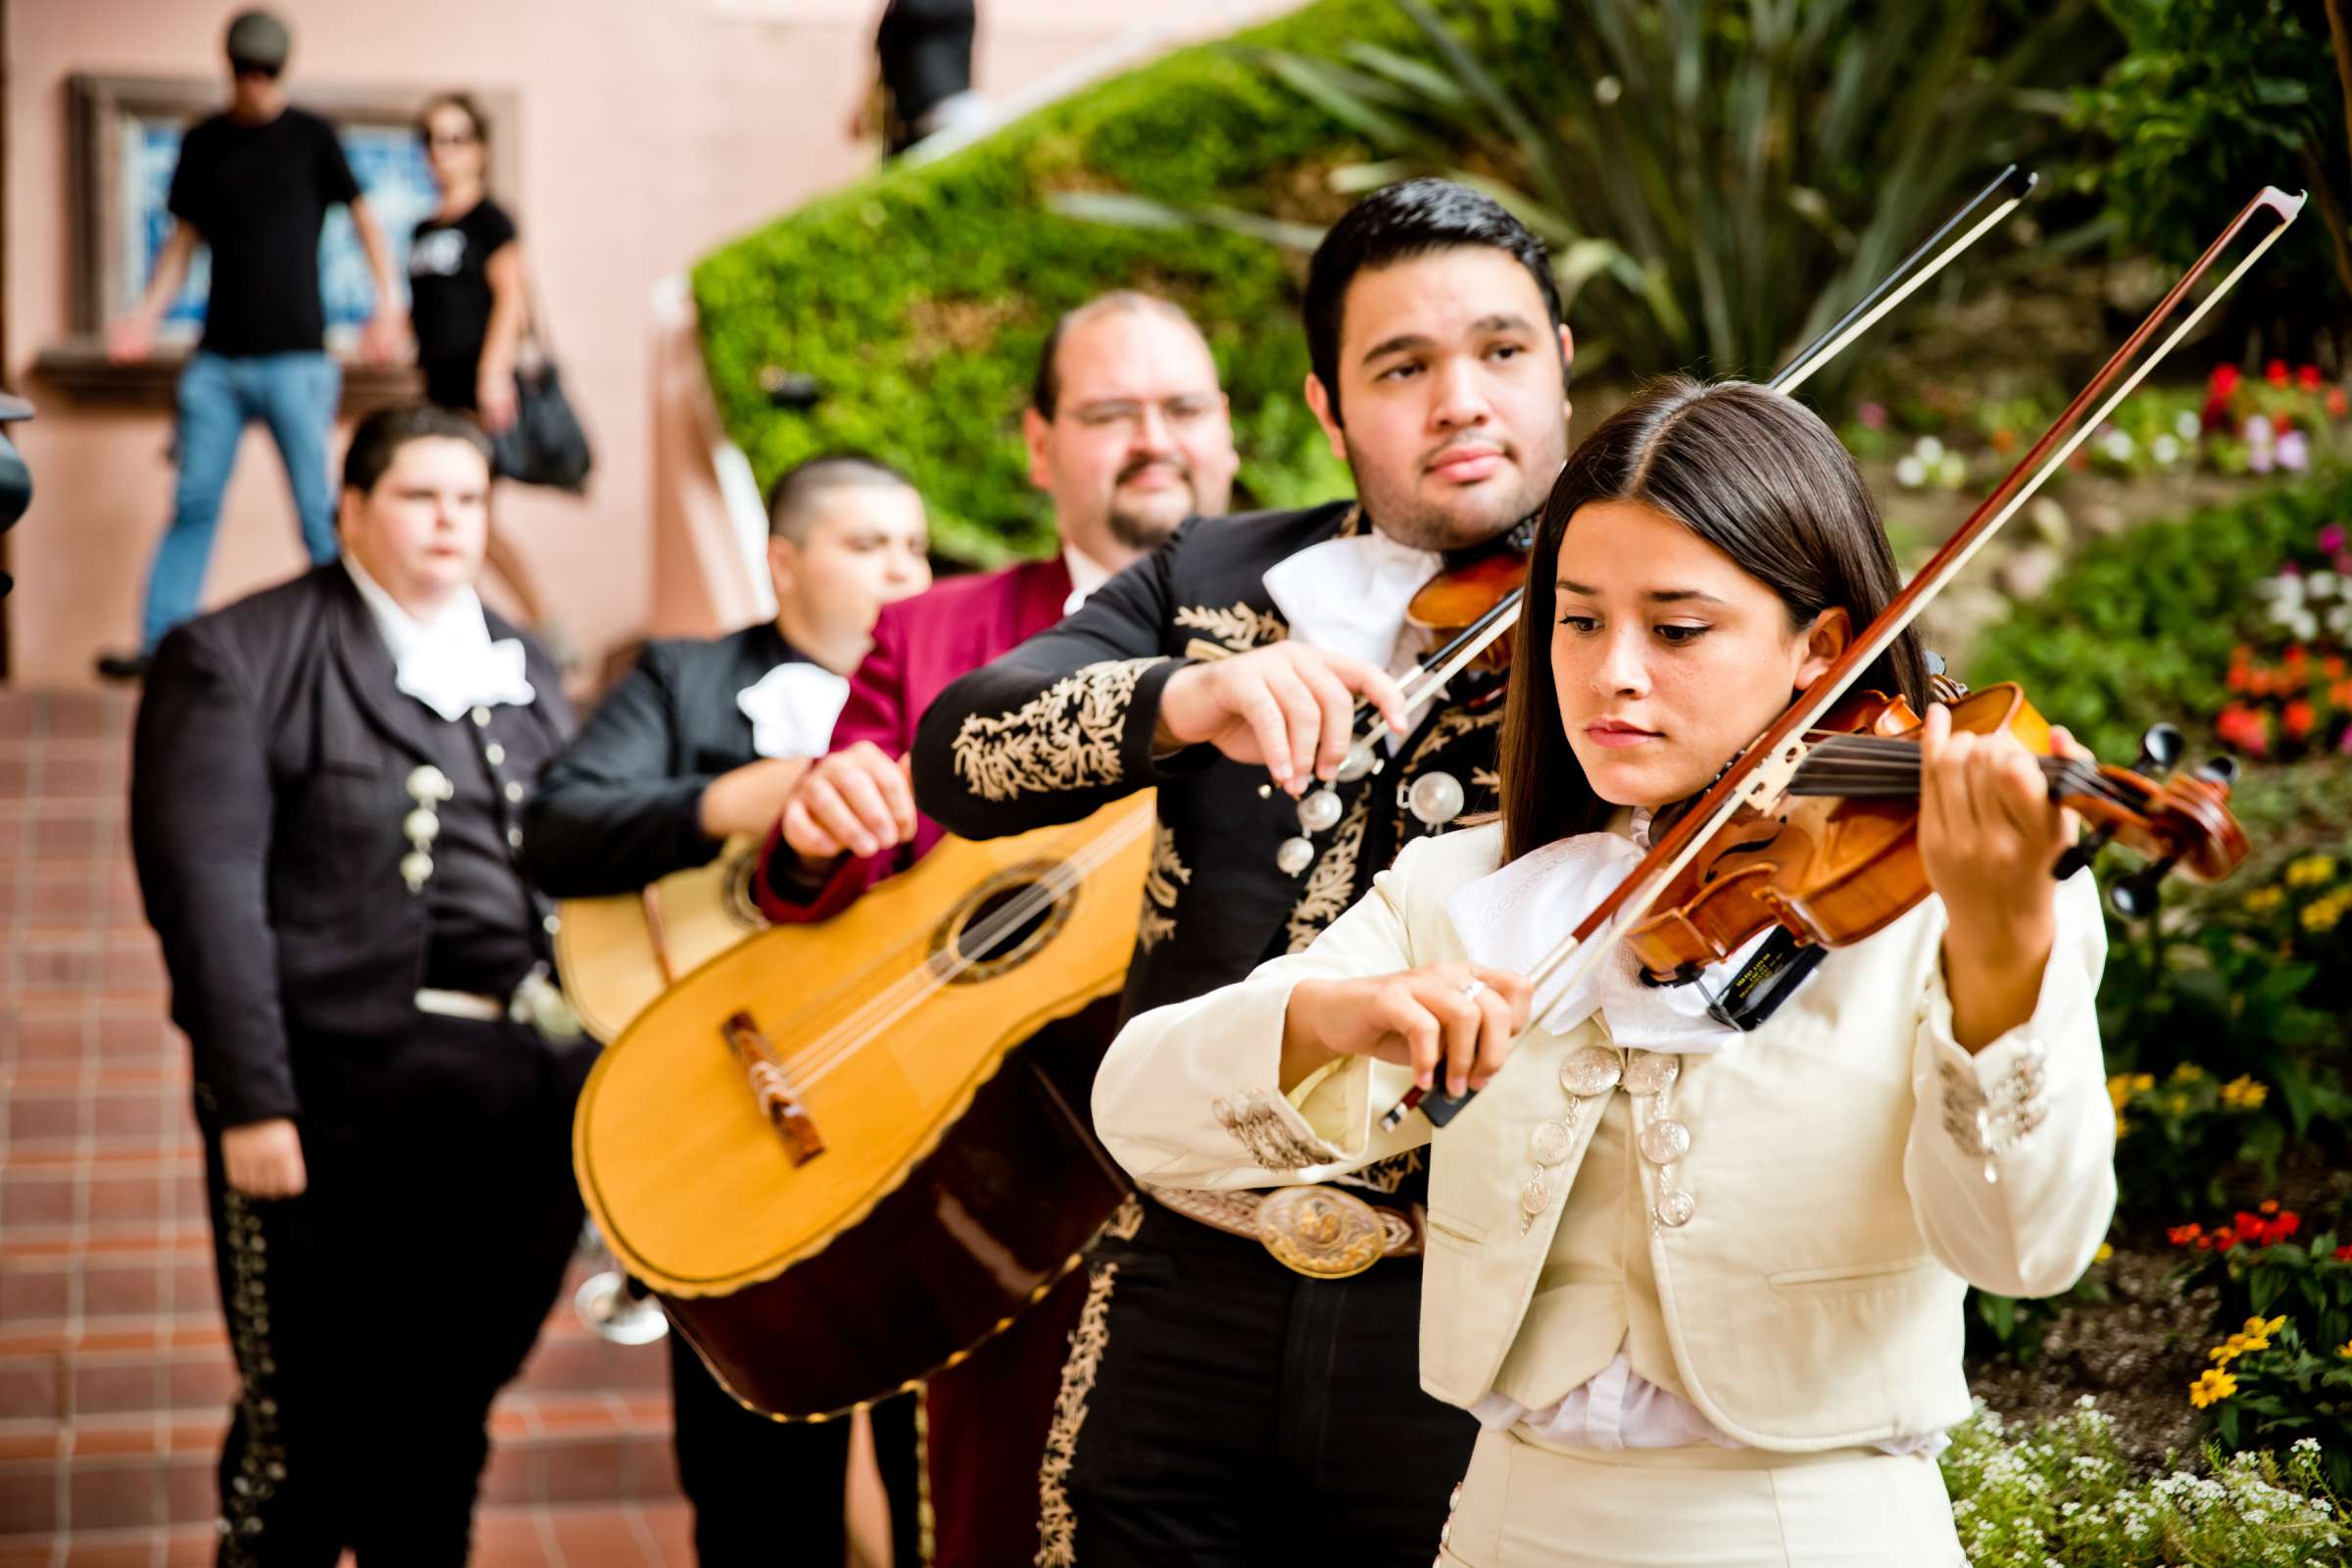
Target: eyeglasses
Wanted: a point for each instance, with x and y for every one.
(449, 138)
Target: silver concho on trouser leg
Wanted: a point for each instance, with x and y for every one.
(262, 1457)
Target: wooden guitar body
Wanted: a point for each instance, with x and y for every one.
(906, 1179)
(618, 953)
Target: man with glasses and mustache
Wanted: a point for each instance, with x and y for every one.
(1128, 436)
(253, 185)
(1244, 1385)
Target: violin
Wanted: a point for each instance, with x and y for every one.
(1763, 780)
(1837, 861)
(1445, 609)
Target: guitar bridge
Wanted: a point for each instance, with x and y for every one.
(771, 1089)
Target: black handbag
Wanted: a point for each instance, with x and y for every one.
(545, 445)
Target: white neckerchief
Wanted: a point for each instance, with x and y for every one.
(1086, 575)
(1511, 917)
(792, 708)
(449, 662)
(1349, 596)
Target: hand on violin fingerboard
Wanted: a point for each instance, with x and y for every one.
(1988, 836)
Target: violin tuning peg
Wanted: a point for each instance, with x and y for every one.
(2222, 770)
(2085, 851)
(2134, 897)
(2159, 749)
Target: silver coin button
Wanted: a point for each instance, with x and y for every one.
(1675, 1209)
(1534, 1198)
(1651, 1073)
(1319, 812)
(1594, 1070)
(1551, 1142)
(1665, 1142)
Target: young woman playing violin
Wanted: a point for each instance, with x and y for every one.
(1700, 1284)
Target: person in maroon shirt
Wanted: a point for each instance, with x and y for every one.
(1128, 436)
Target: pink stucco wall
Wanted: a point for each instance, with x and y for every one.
(649, 129)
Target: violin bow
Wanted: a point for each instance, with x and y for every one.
(1762, 774)
(2010, 186)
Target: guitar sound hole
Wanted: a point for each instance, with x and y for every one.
(999, 925)
(982, 941)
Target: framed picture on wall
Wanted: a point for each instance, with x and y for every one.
(126, 133)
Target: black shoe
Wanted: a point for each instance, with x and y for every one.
(122, 666)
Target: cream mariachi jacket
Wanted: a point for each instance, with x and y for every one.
(1838, 1199)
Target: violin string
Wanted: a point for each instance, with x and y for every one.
(1850, 759)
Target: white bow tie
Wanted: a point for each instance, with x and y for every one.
(1511, 917)
(450, 676)
(792, 708)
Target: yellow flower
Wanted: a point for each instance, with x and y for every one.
(2123, 1128)
(2265, 1326)
(2262, 900)
(2345, 1349)
(2142, 1082)
(2178, 1105)
(2244, 1093)
(2225, 1353)
(2212, 1385)
(2188, 1072)
(2310, 871)
(2119, 1090)
(2106, 1250)
(2325, 914)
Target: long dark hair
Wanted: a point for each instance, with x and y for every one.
(1753, 473)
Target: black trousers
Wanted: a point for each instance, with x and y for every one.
(1236, 1413)
(376, 1315)
(749, 1477)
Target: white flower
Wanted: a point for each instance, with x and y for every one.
(1928, 449)
(1910, 473)
(2185, 425)
(2259, 430)
(2119, 445)
(2165, 449)
(2321, 585)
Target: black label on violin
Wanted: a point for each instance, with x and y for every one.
(1765, 981)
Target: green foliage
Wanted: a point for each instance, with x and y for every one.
(2214, 100)
(2296, 1388)
(2061, 1495)
(2014, 1325)
(920, 298)
(1716, 182)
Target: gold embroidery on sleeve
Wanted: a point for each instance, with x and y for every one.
(1239, 628)
(1064, 738)
(1167, 870)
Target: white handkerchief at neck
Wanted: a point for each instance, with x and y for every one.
(1349, 596)
(792, 708)
(1511, 917)
(448, 662)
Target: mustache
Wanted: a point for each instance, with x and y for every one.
(1436, 454)
(1183, 470)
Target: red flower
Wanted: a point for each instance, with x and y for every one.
(2183, 1235)
(2268, 1205)
(2285, 1225)
(2274, 372)
(2338, 403)
(2243, 728)
(2307, 376)
(2223, 381)
(2297, 719)
(2343, 1254)
(2222, 1239)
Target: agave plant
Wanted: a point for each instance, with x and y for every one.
(1716, 179)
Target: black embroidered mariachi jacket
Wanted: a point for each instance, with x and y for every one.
(1062, 724)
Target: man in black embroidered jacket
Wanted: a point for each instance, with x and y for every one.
(1223, 1408)
(325, 791)
(701, 741)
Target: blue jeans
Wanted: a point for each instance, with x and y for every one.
(295, 396)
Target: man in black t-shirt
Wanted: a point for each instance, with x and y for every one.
(253, 185)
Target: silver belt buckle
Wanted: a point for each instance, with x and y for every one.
(541, 1003)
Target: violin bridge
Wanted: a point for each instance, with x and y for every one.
(771, 1089)
(1769, 783)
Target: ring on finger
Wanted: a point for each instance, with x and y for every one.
(1471, 988)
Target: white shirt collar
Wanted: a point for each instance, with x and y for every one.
(1349, 596)
(447, 662)
(1086, 575)
(793, 708)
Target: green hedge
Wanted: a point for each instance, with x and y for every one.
(918, 298)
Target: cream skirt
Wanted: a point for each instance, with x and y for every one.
(1528, 1506)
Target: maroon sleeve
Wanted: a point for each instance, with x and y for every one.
(875, 711)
